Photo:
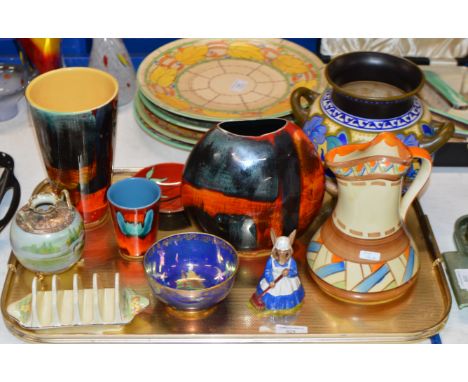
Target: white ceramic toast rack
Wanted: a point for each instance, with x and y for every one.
(77, 307)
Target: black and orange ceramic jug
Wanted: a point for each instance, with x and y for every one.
(244, 178)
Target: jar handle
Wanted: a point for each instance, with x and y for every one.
(301, 114)
(420, 180)
(444, 131)
(66, 196)
(42, 198)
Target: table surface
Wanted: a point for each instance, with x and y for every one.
(444, 199)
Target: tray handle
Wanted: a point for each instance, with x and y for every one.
(9, 182)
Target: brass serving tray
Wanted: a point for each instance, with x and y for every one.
(420, 314)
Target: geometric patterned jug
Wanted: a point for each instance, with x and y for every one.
(362, 253)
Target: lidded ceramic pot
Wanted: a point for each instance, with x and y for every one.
(47, 234)
(244, 178)
(363, 253)
(368, 93)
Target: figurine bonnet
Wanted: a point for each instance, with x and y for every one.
(280, 288)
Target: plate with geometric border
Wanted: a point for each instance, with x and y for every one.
(171, 131)
(225, 79)
(160, 137)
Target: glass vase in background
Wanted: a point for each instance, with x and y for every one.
(111, 55)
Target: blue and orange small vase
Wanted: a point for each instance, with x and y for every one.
(134, 204)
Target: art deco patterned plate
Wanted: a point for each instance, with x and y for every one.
(160, 137)
(187, 123)
(222, 79)
(166, 128)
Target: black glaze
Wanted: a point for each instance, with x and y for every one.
(173, 221)
(71, 142)
(374, 66)
(287, 164)
(246, 167)
(239, 230)
(253, 128)
(234, 165)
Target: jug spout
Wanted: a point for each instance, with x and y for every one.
(370, 177)
(384, 157)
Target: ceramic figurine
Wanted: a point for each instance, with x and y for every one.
(280, 288)
(369, 93)
(59, 308)
(244, 177)
(47, 234)
(363, 253)
(111, 55)
(74, 112)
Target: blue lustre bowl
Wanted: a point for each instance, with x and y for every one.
(191, 271)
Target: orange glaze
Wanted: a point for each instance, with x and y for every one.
(134, 246)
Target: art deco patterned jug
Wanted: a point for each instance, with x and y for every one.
(362, 253)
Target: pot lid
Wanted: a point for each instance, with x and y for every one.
(46, 213)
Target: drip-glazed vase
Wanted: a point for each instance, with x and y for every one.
(245, 177)
(74, 113)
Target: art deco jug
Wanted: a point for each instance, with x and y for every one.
(363, 253)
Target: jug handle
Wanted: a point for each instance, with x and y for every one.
(444, 131)
(420, 180)
(331, 187)
(301, 114)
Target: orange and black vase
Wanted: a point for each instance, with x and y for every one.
(246, 177)
(74, 113)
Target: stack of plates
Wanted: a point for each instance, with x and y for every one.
(188, 86)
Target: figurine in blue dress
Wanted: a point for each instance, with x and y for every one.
(280, 288)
